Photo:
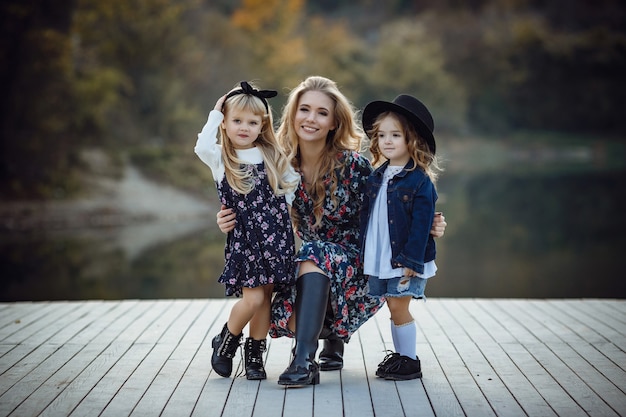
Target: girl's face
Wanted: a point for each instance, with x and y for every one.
(242, 128)
(392, 142)
(315, 116)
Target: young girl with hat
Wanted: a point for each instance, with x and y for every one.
(397, 214)
(254, 178)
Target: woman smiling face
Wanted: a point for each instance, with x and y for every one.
(315, 116)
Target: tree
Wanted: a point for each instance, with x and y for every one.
(38, 144)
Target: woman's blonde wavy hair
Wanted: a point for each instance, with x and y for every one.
(347, 136)
(276, 163)
(417, 147)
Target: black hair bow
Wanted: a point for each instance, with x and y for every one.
(248, 89)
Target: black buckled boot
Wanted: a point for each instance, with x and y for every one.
(312, 296)
(253, 356)
(224, 347)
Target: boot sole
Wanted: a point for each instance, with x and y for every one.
(313, 381)
(331, 367)
(256, 377)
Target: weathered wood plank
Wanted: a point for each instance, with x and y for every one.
(185, 395)
(479, 357)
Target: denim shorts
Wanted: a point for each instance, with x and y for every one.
(397, 287)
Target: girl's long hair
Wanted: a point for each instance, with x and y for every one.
(417, 147)
(276, 163)
(347, 136)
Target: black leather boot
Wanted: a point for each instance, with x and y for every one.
(224, 347)
(331, 356)
(253, 356)
(312, 296)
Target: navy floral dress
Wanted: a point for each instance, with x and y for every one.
(334, 247)
(260, 250)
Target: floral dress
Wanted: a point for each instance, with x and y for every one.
(334, 247)
(260, 249)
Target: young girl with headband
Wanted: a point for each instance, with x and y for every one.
(254, 178)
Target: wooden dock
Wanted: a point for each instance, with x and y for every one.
(480, 357)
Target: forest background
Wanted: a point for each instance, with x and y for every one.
(135, 79)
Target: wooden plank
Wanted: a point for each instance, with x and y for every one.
(33, 349)
(583, 360)
(75, 392)
(38, 324)
(51, 381)
(447, 342)
(185, 396)
(354, 379)
(591, 350)
(162, 335)
(479, 357)
(384, 394)
(22, 389)
(328, 393)
(271, 396)
(413, 397)
(215, 390)
(436, 384)
(108, 386)
(520, 353)
(17, 316)
(485, 375)
(164, 383)
(489, 335)
(604, 324)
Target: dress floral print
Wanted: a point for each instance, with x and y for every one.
(334, 247)
(260, 250)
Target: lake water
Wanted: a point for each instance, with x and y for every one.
(522, 222)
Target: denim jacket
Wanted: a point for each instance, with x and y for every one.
(411, 198)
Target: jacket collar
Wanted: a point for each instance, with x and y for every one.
(381, 169)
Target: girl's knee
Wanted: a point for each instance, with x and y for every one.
(255, 298)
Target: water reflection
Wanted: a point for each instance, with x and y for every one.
(104, 264)
(516, 229)
(548, 235)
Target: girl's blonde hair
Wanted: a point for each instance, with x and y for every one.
(418, 149)
(276, 164)
(347, 136)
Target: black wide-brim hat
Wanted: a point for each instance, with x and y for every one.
(410, 107)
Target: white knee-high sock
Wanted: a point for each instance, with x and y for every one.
(406, 335)
(394, 334)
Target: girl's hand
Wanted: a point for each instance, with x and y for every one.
(439, 225)
(220, 103)
(226, 219)
(408, 272)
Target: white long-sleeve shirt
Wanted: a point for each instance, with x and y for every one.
(210, 152)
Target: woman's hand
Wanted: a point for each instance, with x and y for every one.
(226, 219)
(439, 225)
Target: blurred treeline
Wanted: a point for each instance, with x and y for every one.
(138, 77)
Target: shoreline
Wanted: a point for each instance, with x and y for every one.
(134, 199)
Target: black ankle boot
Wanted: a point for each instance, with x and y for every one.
(331, 356)
(311, 298)
(253, 356)
(224, 347)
